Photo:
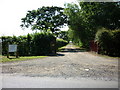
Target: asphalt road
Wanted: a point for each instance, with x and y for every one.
(71, 68)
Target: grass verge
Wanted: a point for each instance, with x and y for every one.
(59, 49)
(5, 59)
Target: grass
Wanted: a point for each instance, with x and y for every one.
(5, 59)
(59, 49)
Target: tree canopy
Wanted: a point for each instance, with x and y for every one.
(87, 17)
(45, 18)
(103, 14)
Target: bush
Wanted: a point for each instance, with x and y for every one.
(31, 44)
(104, 39)
(42, 43)
(108, 41)
(60, 43)
(116, 42)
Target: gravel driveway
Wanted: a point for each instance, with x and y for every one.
(70, 63)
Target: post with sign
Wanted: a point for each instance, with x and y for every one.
(12, 48)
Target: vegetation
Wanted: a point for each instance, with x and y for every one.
(33, 44)
(79, 31)
(85, 19)
(60, 43)
(109, 42)
(42, 43)
(5, 59)
(45, 19)
(63, 35)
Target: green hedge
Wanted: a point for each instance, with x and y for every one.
(61, 43)
(42, 43)
(109, 42)
(31, 44)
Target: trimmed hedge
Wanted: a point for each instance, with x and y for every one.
(41, 43)
(31, 44)
(61, 43)
(109, 42)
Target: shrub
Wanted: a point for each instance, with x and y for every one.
(103, 37)
(60, 43)
(108, 41)
(5, 40)
(41, 43)
(116, 42)
(31, 44)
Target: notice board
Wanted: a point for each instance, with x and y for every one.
(12, 48)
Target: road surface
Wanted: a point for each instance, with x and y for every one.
(71, 68)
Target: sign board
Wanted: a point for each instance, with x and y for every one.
(12, 48)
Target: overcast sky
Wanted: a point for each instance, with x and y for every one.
(11, 12)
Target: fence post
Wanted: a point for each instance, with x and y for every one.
(8, 50)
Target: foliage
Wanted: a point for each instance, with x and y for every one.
(42, 43)
(63, 35)
(87, 17)
(109, 41)
(74, 37)
(45, 18)
(116, 42)
(81, 33)
(32, 44)
(74, 17)
(100, 14)
(103, 37)
(60, 43)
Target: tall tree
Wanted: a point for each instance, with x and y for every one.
(63, 35)
(45, 18)
(79, 29)
(87, 17)
(103, 14)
